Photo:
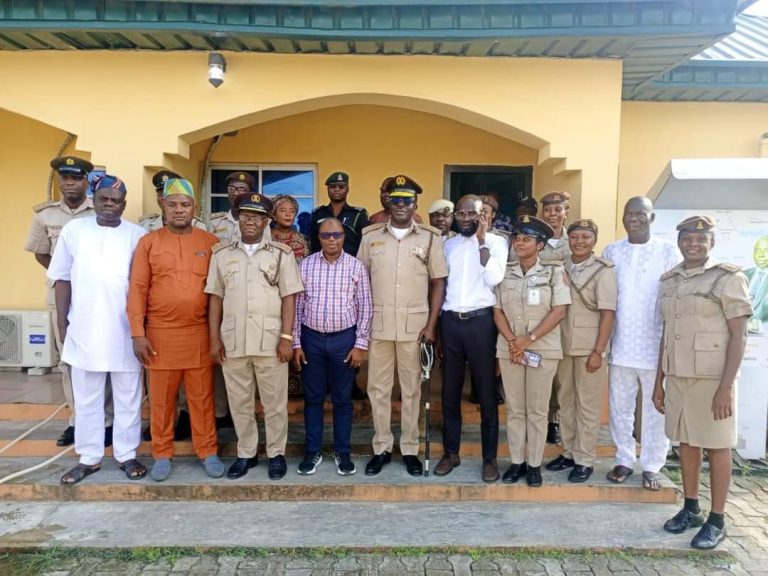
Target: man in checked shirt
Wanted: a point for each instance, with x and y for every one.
(331, 332)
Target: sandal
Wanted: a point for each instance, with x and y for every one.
(134, 469)
(78, 473)
(652, 481)
(619, 474)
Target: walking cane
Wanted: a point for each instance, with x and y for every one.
(427, 361)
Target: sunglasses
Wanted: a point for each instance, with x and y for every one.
(337, 186)
(401, 201)
(329, 235)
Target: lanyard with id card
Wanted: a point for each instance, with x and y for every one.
(533, 294)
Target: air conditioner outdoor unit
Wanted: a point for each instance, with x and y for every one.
(26, 339)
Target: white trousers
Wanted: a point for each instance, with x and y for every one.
(88, 389)
(623, 383)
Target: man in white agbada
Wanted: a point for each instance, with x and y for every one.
(89, 270)
(640, 261)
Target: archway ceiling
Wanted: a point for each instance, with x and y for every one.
(651, 36)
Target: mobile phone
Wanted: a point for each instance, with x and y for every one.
(531, 359)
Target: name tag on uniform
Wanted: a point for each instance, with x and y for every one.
(534, 297)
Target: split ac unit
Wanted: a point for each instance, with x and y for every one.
(26, 339)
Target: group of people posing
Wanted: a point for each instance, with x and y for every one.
(253, 304)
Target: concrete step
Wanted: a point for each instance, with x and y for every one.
(189, 483)
(42, 442)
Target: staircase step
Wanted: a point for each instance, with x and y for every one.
(42, 442)
(189, 482)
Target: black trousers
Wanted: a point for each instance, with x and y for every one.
(472, 340)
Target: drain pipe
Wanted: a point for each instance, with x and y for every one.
(67, 141)
(205, 194)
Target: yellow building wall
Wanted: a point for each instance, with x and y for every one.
(26, 148)
(554, 106)
(653, 133)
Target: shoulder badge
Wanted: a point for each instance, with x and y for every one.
(280, 246)
(220, 246)
(605, 261)
(729, 267)
(669, 274)
(48, 204)
(373, 228)
(218, 215)
(148, 217)
(429, 228)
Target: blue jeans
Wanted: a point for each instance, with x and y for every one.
(325, 372)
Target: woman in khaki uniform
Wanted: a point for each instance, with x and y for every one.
(530, 303)
(705, 306)
(586, 334)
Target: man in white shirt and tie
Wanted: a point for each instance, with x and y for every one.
(476, 263)
(640, 261)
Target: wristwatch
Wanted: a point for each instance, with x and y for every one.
(600, 353)
(532, 336)
(287, 337)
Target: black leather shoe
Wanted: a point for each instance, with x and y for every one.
(146, 434)
(277, 467)
(183, 429)
(490, 470)
(446, 464)
(534, 476)
(580, 473)
(358, 393)
(378, 462)
(514, 473)
(412, 465)
(683, 520)
(553, 433)
(560, 463)
(708, 537)
(67, 437)
(241, 466)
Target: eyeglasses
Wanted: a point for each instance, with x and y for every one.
(251, 217)
(401, 201)
(329, 235)
(467, 214)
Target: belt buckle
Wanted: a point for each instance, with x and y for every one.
(462, 316)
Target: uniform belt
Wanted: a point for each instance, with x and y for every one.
(472, 313)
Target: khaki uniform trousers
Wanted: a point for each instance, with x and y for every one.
(66, 379)
(382, 355)
(242, 375)
(581, 395)
(527, 393)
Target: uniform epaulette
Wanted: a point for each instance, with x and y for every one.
(284, 247)
(47, 204)
(148, 217)
(428, 228)
(728, 267)
(218, 215)
(220, 246)
(558, 263)
(373, 227)
(605, 261)
(669, 273)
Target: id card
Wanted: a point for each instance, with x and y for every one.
(534, 297)
(531, 359)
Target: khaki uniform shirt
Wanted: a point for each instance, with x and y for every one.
(47, 223)
(252, 288)
(152, 222)
(593, 288)
(400, 273)
(526, 299)
(556, 254)
(695, 305)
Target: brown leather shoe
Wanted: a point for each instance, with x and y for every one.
(490, 470)
(447, 463)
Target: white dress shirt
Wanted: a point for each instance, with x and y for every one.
(637, 332)
(97, 261)
(470, 285)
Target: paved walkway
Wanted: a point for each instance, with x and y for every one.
(746, 553)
